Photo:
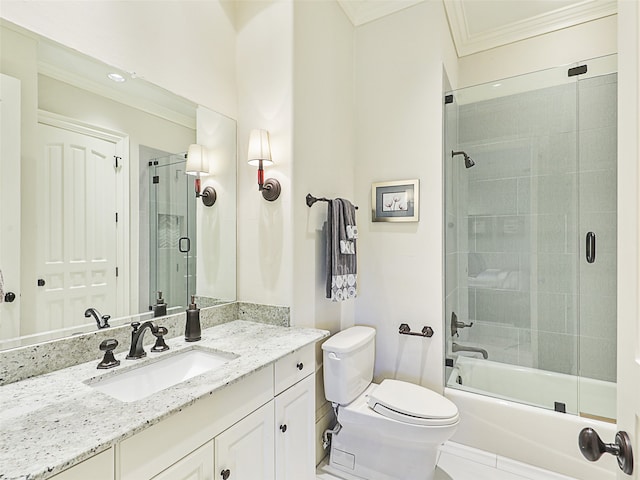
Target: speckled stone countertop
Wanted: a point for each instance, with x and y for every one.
(51, 422)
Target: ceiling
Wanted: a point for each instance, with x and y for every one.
(478, 25)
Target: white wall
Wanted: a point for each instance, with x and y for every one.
(265, 94)
(324, 150)
(323, 165)
(185, 47)
(399, 100)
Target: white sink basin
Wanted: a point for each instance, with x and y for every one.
(151, 377)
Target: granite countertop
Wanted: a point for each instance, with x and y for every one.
(54, 421)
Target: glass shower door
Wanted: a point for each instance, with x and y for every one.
(522, 305)
(172, 232)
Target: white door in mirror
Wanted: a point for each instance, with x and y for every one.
(76, 258)
(9, 205)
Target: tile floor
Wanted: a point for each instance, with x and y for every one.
(457, 462)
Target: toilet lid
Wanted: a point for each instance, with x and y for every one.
(410, 403)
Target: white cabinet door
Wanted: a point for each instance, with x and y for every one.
(198, 465)
(245, 451)
(295, 431)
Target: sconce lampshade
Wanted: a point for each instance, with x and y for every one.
(197, 161)
(259, 148)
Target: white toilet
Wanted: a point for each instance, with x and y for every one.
(390, 431)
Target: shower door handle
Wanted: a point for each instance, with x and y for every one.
(184, 249)
(591, 247)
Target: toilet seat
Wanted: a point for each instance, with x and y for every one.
(413, 404)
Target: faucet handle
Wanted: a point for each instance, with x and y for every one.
(108, 361)
(105, 321)
(135, 326)
(160, 345)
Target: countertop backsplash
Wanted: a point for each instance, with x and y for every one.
(25, 362)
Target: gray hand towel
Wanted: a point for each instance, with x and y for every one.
(341, 251)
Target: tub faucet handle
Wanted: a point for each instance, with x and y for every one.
(457, 324)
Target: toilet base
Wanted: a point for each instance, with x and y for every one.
(372, 457)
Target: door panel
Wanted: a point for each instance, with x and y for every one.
(10, 201)
(76, 261)
(628, 338)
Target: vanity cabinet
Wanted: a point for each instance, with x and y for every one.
(277, 440)
(155, 449)
(261, 427)
(98, 467)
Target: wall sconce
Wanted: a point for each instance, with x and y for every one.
(259, 156)
(198, 164)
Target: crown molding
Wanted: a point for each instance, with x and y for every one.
(467, 44)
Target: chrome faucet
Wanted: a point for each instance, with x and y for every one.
(137, 339)
(101, 320)
(464, 348)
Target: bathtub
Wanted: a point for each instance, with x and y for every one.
(503, 425)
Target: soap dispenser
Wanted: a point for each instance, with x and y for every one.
(192, 332)
(160, 308)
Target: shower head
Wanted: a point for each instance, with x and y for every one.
(468, 162)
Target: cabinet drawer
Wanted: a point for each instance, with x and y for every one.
(294, 367)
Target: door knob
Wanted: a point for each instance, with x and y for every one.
(9, 297)
(592, 447)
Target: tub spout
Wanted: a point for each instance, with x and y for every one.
(464, 348)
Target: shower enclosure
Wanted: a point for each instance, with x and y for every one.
(172, 231)
(530, 234)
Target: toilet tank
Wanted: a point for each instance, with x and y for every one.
(348, 359)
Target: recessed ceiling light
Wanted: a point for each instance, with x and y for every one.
(116, 77)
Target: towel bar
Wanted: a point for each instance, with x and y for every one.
(406, 330)
(311, 200)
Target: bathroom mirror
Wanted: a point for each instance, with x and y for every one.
(101, 212)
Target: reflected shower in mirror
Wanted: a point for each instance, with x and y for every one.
(89, 227)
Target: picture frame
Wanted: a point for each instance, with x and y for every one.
(396, 201)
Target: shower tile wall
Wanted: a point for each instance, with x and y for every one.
(523, 231)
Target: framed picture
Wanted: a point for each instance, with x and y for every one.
(395, 201)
